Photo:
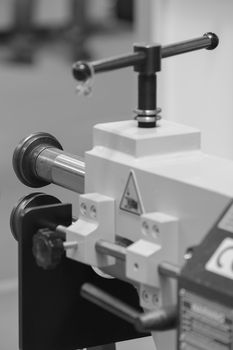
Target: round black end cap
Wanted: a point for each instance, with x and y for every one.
(214, 40)
(27, 202)
(81, 71)
(24, 157)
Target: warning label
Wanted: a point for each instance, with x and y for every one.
(131, 201)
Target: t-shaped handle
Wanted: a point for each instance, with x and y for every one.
(82, 71)
(146, 61)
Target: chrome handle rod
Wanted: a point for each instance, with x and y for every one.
(39, 160)
(60, 168)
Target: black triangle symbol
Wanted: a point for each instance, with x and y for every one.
(130, 200)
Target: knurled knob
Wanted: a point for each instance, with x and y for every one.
(47, 248)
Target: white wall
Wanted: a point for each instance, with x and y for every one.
(195, 88)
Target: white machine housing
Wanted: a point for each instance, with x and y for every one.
(179, 190)
(166, 194)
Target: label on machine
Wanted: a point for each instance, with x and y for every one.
(131, 200)
(204, 324)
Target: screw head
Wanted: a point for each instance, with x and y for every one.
(83, 209)
(93, 211)
(155, 231)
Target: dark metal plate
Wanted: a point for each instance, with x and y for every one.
(52, 314)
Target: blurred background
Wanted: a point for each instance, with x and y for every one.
(39, 41)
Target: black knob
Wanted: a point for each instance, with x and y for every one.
(214, 40)
(81, 71)
(47, 248)
(25, 155)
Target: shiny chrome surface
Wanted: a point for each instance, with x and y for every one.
(61, 168)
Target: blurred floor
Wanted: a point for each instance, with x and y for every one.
(8, 320)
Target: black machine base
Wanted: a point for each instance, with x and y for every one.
(52, 314)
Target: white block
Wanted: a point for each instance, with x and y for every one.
(141, 261)
(96, 221)
(160, 243)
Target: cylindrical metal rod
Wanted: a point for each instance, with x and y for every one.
(169, 270)
(83, 71)
(109, 303)
(39, 160)
(163, 319)
(70, 245)
(147, 92)
(60, 168)
(157, 320)
(207, 41)
(117, 62)
(111, 249)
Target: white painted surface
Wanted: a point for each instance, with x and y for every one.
(187, 184)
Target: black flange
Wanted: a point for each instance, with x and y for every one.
(25, 155)
(29, 201)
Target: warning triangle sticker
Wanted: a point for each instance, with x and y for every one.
(130, 200)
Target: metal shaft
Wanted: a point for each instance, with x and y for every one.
(157, 320)
(169, 270)
(111, 249)
(107, 64)
(205, 42)
(60, 168)
(81, 71)
(109, 303)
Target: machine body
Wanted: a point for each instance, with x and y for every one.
(148, 198)
(205, 290)
(167, 196)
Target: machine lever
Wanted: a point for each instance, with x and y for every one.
(158, 320)
(82, 70)
(146, 61)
